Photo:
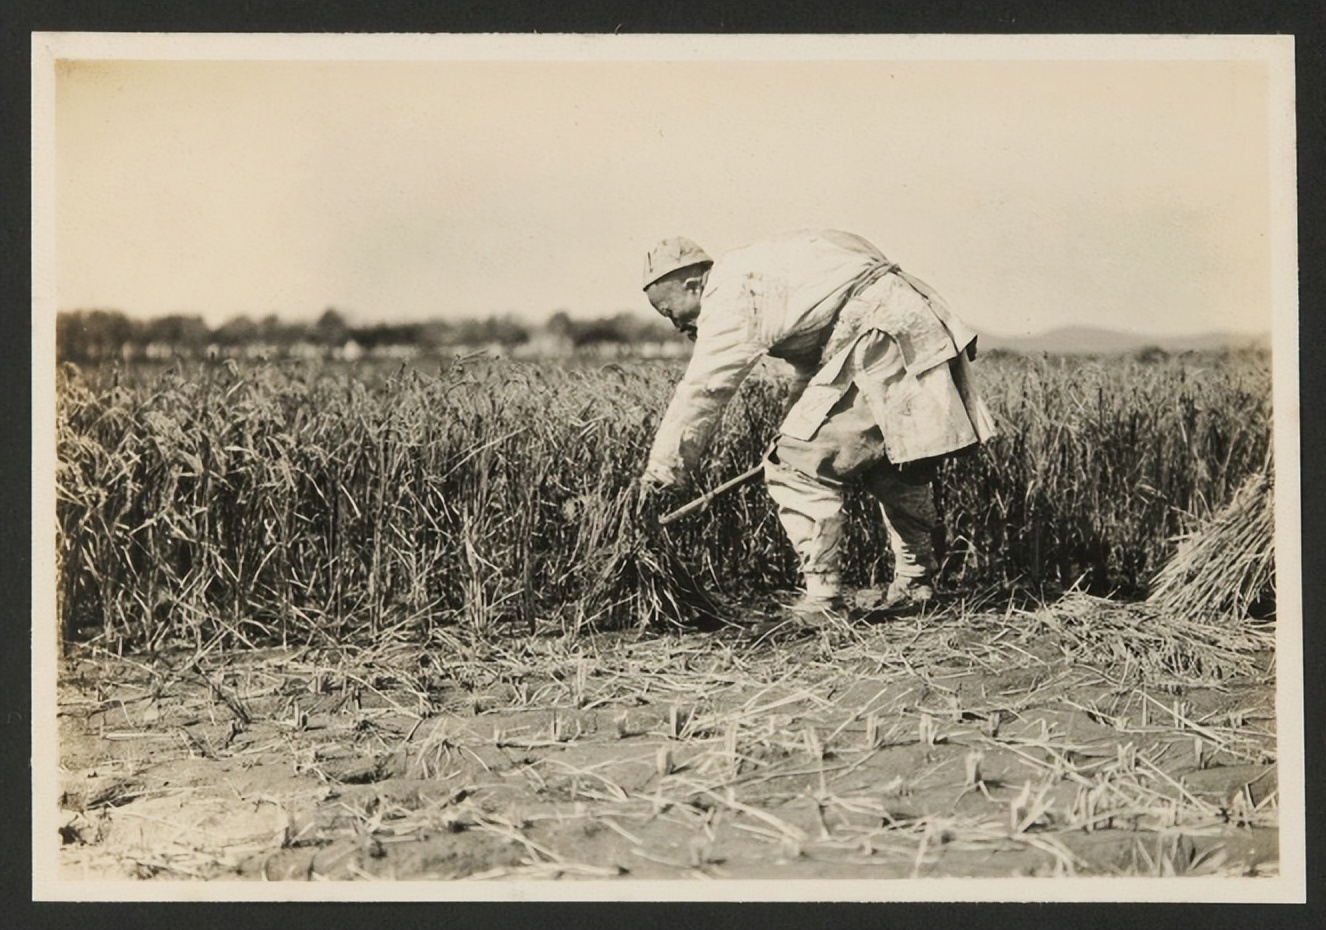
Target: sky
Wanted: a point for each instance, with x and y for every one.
(1033, 192)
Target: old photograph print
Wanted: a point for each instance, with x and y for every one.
(659, 467)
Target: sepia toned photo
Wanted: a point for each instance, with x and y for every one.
(518, 467)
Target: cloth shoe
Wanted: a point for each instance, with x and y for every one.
(811, 607)
(907, 595)
(799, 619)
(823, 597)
(903, 596)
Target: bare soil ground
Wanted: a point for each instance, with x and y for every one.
(1083, 739)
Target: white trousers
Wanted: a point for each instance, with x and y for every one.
(805, 478)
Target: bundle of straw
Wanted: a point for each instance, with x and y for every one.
(1227, 566)
(634, 574)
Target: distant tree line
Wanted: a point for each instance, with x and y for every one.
(85, 336)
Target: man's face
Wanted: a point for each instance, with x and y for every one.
(679, 301)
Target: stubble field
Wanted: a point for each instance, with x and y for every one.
(321, 624)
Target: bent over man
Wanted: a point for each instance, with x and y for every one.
(883, 390)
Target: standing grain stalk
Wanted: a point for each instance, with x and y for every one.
(301, 502)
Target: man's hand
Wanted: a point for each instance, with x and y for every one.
(653, 497)
(647, 496)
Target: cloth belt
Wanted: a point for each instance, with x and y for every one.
(844, 331)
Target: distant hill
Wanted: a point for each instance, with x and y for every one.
(1088, 340)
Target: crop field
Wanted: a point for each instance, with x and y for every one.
(324, 622)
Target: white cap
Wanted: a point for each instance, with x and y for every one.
(671, 254)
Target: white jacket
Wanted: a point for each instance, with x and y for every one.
(827, 302)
